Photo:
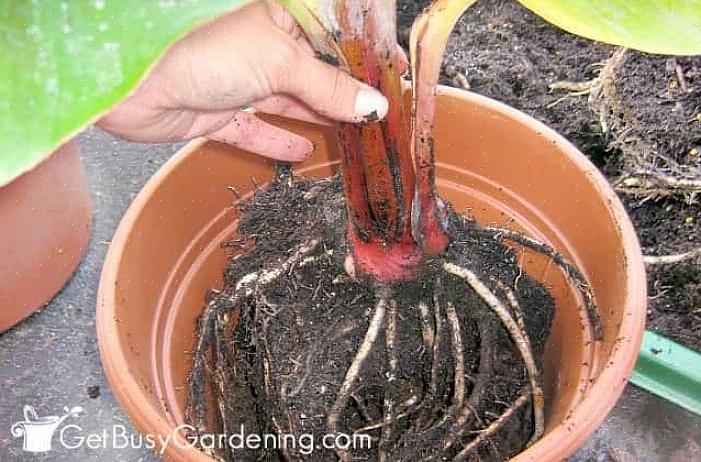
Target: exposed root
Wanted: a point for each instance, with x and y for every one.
(574, 88)
(645, 172)
(602, 94)
(485, 434)
(391, 387)
(458, 355)
(469, 412)
(432, 392)
(434, 426)
(248, 284)
(597, 88)
(221, 380)
(364, 412)
(519, 336)
(672, 259)
(205, 337)
(408, 406)
(513, 301)
(655, 182)
(570, 270)
(426, 327)
(209, 333)
(354, 370)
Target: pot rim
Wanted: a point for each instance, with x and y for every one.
(562, 440)
(67, 212)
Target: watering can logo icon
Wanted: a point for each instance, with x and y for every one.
(39, 431)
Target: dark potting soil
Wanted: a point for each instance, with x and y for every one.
(502, 50)
(667, 226)
(280, 357)
(660, 98)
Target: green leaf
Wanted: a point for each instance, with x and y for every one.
(654, 26)
(64, 63)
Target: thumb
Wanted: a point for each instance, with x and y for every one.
(332, 92)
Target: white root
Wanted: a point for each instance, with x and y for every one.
(458, 353)
(286, 453)
(246, 286)
(390, 390)
(517, 334)
(646, 178)
(485, 367)
(408, 404)
(433, 384)
(493, 427)
(204, 340)
(672, 259)
(569, 269)
(354, 370)
(513, 301)
(426, 328)
(601, 84)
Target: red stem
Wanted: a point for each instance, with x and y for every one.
(377, 167)
(429, 217)
(395, 217)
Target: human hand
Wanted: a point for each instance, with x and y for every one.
(256, 57)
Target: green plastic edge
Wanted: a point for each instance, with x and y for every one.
(669, 370)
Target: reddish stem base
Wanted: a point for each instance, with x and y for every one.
(432, 232)
(385, 262)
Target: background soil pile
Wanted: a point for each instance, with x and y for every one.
(501, 50)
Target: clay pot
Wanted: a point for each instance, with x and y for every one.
(496, 163)
(45, 217)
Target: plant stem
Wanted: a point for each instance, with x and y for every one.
(377, 167)
(429, 36)
(388, 168)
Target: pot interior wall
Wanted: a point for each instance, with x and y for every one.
(498, 169)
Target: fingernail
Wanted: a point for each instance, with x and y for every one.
(297, 152)
(370, 105)
(309, 152)
(306, 151)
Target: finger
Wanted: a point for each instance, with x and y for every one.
(283, 19)
(330, 91)
(248, 132)
(287, 106)
(305, 46)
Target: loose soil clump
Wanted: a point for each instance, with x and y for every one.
(446, 367)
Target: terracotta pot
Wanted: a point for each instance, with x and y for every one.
(496, 163)
(45, 217)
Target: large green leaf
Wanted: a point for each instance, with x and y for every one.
(65, 62)
(655, 26)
